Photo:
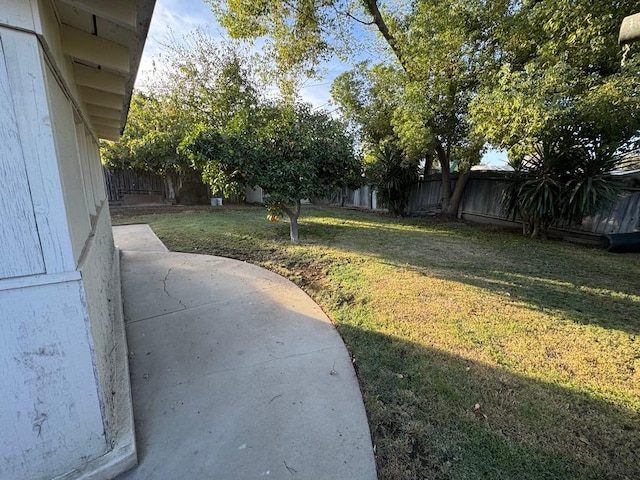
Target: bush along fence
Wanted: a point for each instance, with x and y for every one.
(482, 202)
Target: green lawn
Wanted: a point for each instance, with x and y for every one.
(480, 354)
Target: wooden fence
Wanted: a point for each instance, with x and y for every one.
(136, 186)
(482, 203)
(123, 182)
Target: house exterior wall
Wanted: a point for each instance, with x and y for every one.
(50, 409)
(66, 408)
(100, 273)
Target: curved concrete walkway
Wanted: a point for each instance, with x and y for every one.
(236, 373)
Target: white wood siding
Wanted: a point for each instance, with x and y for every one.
(20, 252)
(85, 163)
(50, 410)
(70, 167)
(26, 81)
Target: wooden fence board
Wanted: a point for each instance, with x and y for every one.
(483, 196)
(120, 182)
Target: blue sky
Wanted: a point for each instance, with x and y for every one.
(180, 17)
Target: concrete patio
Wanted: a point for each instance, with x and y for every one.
(236, 373)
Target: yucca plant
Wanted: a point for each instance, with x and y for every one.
(563, 180)
(392, 177)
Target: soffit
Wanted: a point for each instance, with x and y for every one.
(104, 39)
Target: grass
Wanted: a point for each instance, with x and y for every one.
(481, 354)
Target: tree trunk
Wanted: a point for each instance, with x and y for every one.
(458, 192)
(372, 7)
(293, 221)
(446, 176)
(428, 165)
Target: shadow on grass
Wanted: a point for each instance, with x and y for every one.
(588, 286)
(437, 416)
(420, 399)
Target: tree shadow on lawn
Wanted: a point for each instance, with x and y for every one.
(583, 285)
(438, 416)
(588, 286)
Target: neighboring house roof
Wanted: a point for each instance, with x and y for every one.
(104, 39)
(492, 168)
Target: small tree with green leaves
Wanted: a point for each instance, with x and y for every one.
(290, 151)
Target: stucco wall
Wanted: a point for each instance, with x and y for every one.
(50, 411)
(100, 277)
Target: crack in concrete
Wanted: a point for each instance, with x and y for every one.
(164, 287)
(221, 302)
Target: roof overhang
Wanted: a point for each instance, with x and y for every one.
(105, 39)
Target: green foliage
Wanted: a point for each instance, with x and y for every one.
(443, 47)
(150, 139)
(307, 153)
(563, 106)
(212, 82)
(560, 69)
(201, 86)
(226, 173)
(446, 48)
(288, 150)
(392, 177)
(299, 34)
(368, 98)
(559, 182)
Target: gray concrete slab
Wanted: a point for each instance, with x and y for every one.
(137, 238)
(237, 374)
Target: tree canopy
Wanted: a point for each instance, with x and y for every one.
(290, 151)
(511, 74)
(560, 71)
(201, 84)
(563, 105)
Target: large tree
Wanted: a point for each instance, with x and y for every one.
(446, 46)
(563, 105)
(441, 48)
(290, 151)
(199, 84)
